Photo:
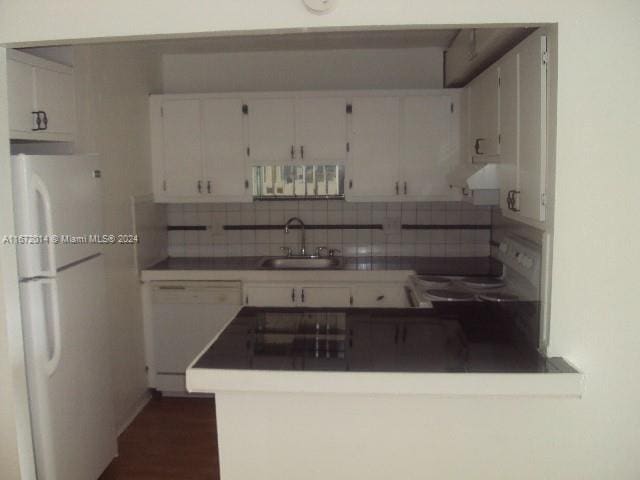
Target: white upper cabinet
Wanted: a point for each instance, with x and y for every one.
(427, 149)
(198, 149)
(41, 99)
(394, 146)
(21, 97)
(321, 130)
(533, 127)
(402, 148)
(223, 145)
(484, 119)
(372, 169)
(508, 103)
(181, 148)
(271, 131)
(307, 130)
(509, 98)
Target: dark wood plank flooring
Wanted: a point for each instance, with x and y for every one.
(172, 438)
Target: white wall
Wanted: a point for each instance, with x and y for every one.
(297, 70)
(596, 261)
(113, 83)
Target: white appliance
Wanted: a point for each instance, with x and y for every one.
(64, 314)
(186, 316)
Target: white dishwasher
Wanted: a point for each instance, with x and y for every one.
(185, 317)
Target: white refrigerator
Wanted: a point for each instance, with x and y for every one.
(64, 321)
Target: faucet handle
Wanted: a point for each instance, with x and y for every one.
(320, 249)
(286, 251)
(334, 251)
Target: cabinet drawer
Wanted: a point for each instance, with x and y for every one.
(217, 293)
(386, 295)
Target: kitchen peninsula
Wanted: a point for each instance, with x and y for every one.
(352, 383)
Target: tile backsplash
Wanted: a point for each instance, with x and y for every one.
(446, 229)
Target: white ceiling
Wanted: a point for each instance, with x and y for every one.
(379, 39)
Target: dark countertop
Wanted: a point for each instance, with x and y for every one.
(462, 337)
(421, 265)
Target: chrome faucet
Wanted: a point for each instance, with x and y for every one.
(303, 246)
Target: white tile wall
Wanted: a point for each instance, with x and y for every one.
(217, 242)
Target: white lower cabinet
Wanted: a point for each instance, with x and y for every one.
(185, 317)
(373, 294)
(296, 295)
(383, 295)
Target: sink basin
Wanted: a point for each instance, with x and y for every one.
(301, 263)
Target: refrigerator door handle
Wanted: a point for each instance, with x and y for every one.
(41, 189)
(53, 316)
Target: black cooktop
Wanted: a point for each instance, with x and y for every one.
(463, 337)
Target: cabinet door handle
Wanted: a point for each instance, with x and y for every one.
(41, 120)
(199, 186)
(302, 152)
(511, 200)
(350, 184)
(404, 334)
(208, 186)
(396, 334)
(302, 295)
(380, 297)
(405, 188)
(397, 188)
(477, 146)
(293, 152)
(293, 295)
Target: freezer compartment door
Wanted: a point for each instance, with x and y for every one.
(68, 352)
(56, 195)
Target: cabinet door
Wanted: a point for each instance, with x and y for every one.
(20, 90)
(55, 96)
(426, 146)
(321, 130)
(533, 128)
(430, 346)
(372, 169)
(271, 131)
(223, 146)
(322, 296)
(508, 166)
(384, 295)
(484, 125)
(182, 330)
(271, 295)
(182, 149)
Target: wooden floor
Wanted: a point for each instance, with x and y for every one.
(172, 438)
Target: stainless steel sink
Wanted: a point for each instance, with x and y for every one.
(301, 263)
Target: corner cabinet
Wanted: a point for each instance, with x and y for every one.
(199, 149)
(508, 126)
(41, 99)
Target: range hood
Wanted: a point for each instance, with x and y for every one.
(479, 182)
